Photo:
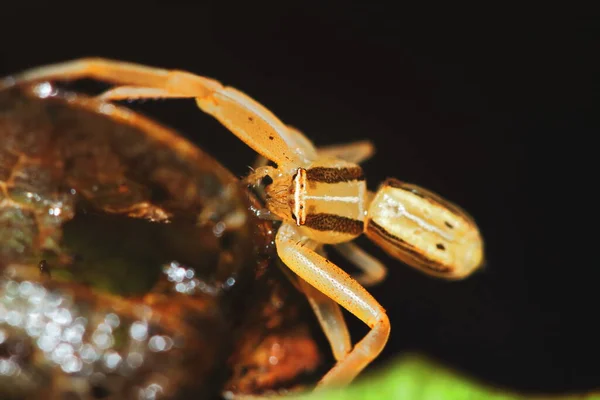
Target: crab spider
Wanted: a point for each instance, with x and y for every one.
(320, 195)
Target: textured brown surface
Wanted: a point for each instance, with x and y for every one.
(277, 349)
(119, 209)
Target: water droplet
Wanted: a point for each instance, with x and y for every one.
(151, 392)
(37, 295)
(102, 339)
(73, 334)
(139, 330)
(219, 228)
(135, 360)
(47, 343)
(62, 316)
(112, 359)
(157, 343)
(112, 319)
(88, 353)
(61, 352)
(43, 90)
(53, 329)
(71, 364)
(56, 211)
(168, 342)
(25, 289)
(11, 289)
(8, 367)
(14, 318)
(104, 327)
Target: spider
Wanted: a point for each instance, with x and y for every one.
(321, 197)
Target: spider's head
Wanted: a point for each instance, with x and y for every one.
(280, 194)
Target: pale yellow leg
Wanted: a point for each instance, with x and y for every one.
(330, 318)
(182, 83)
(355, 152)
(374, 271)
(328, 312)
(339, 286)
(250, 121)
(303, 143)
(260, 162)
(308, 148)
(135, 92)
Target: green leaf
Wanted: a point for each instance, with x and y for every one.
(416, 378)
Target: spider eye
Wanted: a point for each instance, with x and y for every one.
(266, 181)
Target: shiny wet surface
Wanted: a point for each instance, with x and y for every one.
(131, 264)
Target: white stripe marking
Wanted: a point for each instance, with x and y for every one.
(398, 210)
(344, 199)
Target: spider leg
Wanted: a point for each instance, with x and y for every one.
(330, 318)
(356, 152)
(250, 121)
(373, 270)
(332, 281)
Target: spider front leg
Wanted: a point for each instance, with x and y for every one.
(328, 312)
(249, 120)
(330, 280)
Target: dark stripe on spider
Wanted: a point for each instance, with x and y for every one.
(407, 248)
(395, 183)
(334, 175)
(431, 197)
(334, 223)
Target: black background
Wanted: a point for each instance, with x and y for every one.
(457, 109)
